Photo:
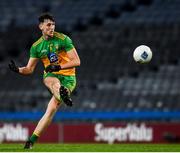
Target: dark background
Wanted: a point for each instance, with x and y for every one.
(105, 34)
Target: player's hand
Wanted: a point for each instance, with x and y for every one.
(13, 67)
(52, 68)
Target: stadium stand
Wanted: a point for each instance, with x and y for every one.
(105, 34)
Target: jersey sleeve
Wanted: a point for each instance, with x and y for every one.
(33, 52)
(68, 44)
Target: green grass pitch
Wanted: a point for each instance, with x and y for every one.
(92, 148)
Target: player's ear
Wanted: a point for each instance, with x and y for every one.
(40, 26)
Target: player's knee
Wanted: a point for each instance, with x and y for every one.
(55, 87)
(55, 90)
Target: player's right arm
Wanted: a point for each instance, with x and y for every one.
(26, 70)
(29, 68)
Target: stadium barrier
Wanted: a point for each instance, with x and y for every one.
(117, 132)
(146, 115)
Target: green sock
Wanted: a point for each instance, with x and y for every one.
(33, 138)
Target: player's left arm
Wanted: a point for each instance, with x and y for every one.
(74, 59)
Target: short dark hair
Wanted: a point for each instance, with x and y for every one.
(45, 16)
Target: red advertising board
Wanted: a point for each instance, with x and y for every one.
(94, 132)
(122, 133)
(19, 132)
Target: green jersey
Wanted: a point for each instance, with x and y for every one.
(53, 51)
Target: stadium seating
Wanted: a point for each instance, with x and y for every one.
(108, 79)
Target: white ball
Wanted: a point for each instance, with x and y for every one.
(142, 54)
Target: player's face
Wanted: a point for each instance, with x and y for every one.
(47, 27)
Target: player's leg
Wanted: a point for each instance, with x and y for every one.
(53, 84)
(69, 82)
(60, 92)
(47, 117)
(68, 85)
(44, 122)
